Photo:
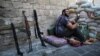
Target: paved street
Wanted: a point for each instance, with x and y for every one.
(38, 50)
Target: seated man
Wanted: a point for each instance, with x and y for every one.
(66, 28)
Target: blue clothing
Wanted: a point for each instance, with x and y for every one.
(62, 21)
(61, 26)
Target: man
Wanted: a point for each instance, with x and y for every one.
(66, 28)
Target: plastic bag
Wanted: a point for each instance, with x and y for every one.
(55, 41)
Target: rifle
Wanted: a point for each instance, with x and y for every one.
(37, 28)
(16, 40)
(27, 27)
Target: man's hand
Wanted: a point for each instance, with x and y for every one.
(72, 21)
(72, 26)
(74, 42)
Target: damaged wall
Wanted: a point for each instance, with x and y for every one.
(47, 10)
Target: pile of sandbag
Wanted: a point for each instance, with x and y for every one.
(82, 7)
(85, 5)
(81, 2)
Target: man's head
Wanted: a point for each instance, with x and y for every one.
(65, 12)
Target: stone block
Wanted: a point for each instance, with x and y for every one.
(6, 4)
(40, 12)
(17, 5)
(42, 7)
(43, 2)
(19, 0)
(10, 13)
(2, 22)
(47, 7)
(28, 12)
(17, 20)
(46, 13)
(33, 1)
(15, 0)
(27, 6)
(53, 7)
(6, 32)
(53, 2)
(51, 12)
(42, 19)
(36, 6)
(59, 2)
(30, 19)
(64, 3)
